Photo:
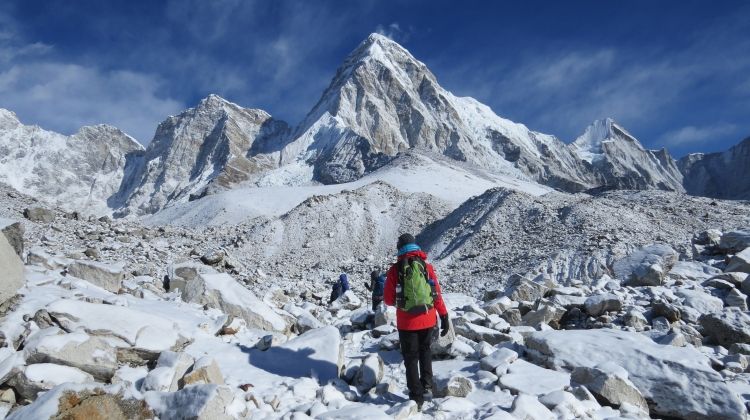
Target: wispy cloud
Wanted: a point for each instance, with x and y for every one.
(395, 31)
(64, 96)
(692, 135)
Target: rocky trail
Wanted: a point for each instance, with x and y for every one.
(114, 319)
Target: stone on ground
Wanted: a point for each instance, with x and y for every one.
(205, 371)
(107, 276)
(599, 304)
(528, 407)
(170, 370)
(11, 268)
(91, 354)
(610, 382)
(728, 327)
(735, 241)
(370, 373)
(40, 377)
(39, 215)
(677, 381)
(198, 402)
(13, 231)
(527, 378)
(223, 292)
(740, 262)
(647, 266)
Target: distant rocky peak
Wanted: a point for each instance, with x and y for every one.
(8, 119)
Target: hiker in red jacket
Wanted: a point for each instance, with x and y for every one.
(412, 286)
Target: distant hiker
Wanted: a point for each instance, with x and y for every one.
(376, 286)
(412, 286)
(339, 287)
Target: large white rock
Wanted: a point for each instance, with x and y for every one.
(198, 402)
(137, 328)
(370, 373)
(91, 354)
(41, 377)
(599, 304)
(692, 271)
(610, 382)
(318, 353)
(728, 327)
(528, 407)
(11, 268)
(679, 381)
(170, 368)
(700, 300)
(13, 231)
(647, 266)
(527, 378)
(221, 291)
(735, 241)
(107, 276)
(740, 262)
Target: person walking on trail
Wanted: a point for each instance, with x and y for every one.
(412, 286)
(376, 286)
(339, 287)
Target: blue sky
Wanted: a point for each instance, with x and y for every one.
(674, 73)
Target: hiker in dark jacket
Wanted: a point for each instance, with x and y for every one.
(415, 320)
(376, 286)
(339, 287)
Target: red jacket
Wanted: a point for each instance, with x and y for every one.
(405, 320)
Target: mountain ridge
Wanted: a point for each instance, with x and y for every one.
(381, 102)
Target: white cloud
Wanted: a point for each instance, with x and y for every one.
(395, 32)
(692, 135)
(62, 97)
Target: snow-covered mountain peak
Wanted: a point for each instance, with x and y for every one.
(8, 119)
(98, 131)
(589, 145)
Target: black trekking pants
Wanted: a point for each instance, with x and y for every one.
(415, 347)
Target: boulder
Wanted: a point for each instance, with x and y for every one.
(635, 319)
(692, 271)
(529, 407)
(610, 382)
(107, 276)
(90, 354)
(13, 231)
(205, 371)
(666, 310)
(544, 314)
(599, 304)
(403, 411)
(197, 402)
(677, 381)
(527, 378)
(370, 373)
(740, 262)
(39, 215)
(179, 274)
(453, 386)
(170, 370)
(501, 356)
(222, 292)
(318, 352)
(710, 237)
(728, 327)
(478, 333)
(144, 331)
(11, 268)
(700, 301)
(348, 301)
(735, 241)
(212, 257)
(88, 402)
(384, 315)
(737, 299)
(40, 377)
(522, 289)
(647, 266)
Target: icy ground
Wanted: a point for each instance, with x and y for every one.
(120, 320)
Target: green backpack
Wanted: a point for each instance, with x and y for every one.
(415, 291)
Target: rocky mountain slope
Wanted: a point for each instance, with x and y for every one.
(215, 145)
(119, 320)
(617, 160)
(719, 175)
(79, 172)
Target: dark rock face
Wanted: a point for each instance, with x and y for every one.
(724, 175)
